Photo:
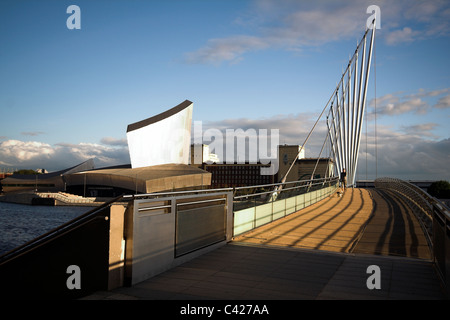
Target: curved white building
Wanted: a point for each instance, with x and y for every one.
(159, 149)
(161, 139)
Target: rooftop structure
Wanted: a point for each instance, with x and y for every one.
(114, 181)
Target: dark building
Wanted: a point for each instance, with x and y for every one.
(237, 175)
(242, 175)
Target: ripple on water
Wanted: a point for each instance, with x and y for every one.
(22, 223)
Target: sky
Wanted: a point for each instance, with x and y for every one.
(67, 95)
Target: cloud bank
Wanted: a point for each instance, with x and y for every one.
(297, 25)
(406, 152)
(16, 154)
(418, 103)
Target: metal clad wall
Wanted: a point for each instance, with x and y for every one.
(199, 227)
(152, 239)
(167, 231)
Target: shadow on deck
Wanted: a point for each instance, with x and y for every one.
(320, 252)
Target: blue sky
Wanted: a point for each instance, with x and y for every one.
(68, 95)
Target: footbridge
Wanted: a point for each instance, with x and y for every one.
(315, 241)
(310, 239)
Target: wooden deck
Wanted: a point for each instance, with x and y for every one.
(367, 221)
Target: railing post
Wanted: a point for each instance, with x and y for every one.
(254, 213)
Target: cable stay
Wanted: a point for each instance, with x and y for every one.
(346, 107)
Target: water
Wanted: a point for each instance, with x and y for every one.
(22, 223)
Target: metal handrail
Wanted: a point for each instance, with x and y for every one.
(304, 183)
(420, 198)
(172, 193)
(309, 184)
(435, 222)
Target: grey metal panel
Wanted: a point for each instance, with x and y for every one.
(199, 227)
(153, 240)
(167, 231)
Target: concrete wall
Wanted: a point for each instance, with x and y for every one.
(116, 274)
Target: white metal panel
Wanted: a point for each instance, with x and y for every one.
(163, 142)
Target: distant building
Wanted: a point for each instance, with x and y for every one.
(159, 149)
(286, 155)
(200, 153)
(237, 175)
(3, 175)
(46, 182)
(117, 180)
(226, 175)
(303, 168)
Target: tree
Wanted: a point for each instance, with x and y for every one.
(440, 189)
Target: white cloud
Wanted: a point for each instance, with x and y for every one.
(401, 36)
(114, 142)
(418, 103)
(421, 130)
(407, 152)
(294, 25)
(226, 49)
(443, 103)
(35, 154)
(15, 150)
(404, 155)
(32, 133)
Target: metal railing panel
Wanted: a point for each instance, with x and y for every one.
(290, 205)
(244, 220)
(299, 202)
(441, 241)
(252, 211)
(307, 199)
(278, 209)
(434, 218)
(166, 230)
(199, 227)
(263, 214)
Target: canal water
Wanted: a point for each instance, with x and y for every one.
(21, 223)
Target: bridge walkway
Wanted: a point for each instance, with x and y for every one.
(369, 221)
(320, 252)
